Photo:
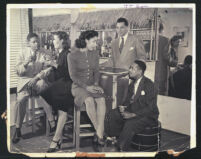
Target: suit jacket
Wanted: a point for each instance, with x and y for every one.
(162, 65)
(182, 83)
(133, 49)
(83, 67)
(145, 99)
(33, 69)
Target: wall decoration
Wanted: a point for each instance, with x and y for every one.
(184, 33)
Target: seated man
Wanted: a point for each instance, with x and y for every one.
(31, 72)
(181, 80)
(139, 109)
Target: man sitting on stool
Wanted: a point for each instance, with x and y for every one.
(138, 111)
(31, 70)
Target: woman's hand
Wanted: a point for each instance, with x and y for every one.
(91, 89)
(99, 89)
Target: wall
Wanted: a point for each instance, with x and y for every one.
(175, 114)
(181, 18)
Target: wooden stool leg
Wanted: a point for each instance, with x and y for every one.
(77, 131)
(74, 127)
(32, 103)
(47, 126)
(27, 116)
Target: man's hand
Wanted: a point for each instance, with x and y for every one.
(127, 115)
(27, 61)
(32, 82)
(122, 108)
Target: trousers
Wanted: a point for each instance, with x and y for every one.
(22, 103)
(124, 129)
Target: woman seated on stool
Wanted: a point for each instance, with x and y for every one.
(58, 95)
(84, 71)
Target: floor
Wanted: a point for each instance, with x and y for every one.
(39, 142)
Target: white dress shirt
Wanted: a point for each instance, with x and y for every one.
(137, 84)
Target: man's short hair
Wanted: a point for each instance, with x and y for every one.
(141, 64)
(123, 20)
(31, 35)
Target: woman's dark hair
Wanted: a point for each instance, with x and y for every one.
(65, 37)
(175, 38)
(80, 42)
(188, 60)
(123, 20)
(31, 35)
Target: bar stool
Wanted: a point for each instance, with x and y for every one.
(149, 139)
(77, 126)
(33, 113)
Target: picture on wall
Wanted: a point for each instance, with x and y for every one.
(184, 33)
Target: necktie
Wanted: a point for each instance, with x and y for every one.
(121, 45)
(132, 92)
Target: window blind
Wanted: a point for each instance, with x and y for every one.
(19, 28)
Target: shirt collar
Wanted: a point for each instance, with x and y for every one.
(32, 52)
(138, 81)
(125, 36)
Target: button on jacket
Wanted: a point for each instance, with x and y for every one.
(84, 67)
(84, 71)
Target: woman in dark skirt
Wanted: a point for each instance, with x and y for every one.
(83, 64)
(58, 95)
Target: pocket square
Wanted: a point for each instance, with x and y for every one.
(131, 48)
(142, 93)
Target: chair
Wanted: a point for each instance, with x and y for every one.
(77, 127)
(149, 139)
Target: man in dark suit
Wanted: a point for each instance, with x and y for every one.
(138, 111)
(166, 58)
(181, 80)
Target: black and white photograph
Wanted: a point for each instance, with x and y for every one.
(110, 79)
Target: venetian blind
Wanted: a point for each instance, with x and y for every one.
(19, 28)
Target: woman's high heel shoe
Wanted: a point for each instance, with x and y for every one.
(98, 140)
(58, 146)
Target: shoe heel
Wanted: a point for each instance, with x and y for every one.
(58, 146)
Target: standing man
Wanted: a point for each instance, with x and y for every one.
(139, 108)
(126, 48)
(166, 58)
